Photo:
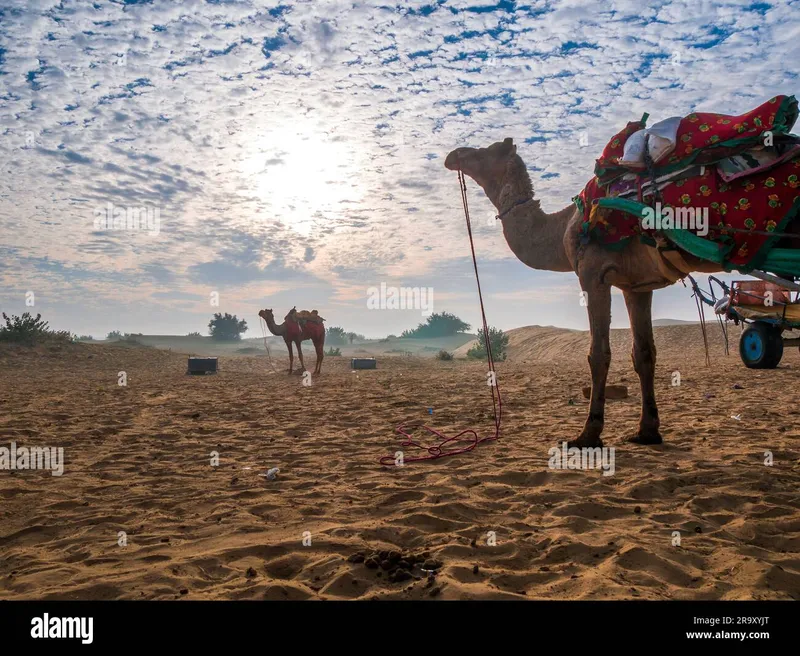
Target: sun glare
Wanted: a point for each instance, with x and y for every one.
(302, 175)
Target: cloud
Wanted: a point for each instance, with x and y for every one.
(301, 143)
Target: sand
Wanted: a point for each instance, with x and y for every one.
(502, 524)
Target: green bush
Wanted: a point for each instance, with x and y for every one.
(444, 355)
(441, 324)
(114, 335)
(335, 335)
(226, 328)
(335, 352)
(30, 330)
(498, 340)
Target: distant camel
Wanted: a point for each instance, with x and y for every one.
(298, 327)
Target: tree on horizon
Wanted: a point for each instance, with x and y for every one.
(444, 324)
(226, 327)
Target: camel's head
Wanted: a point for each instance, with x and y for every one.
(487, 166)
(266, 315)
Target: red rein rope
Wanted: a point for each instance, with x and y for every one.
(497, 403)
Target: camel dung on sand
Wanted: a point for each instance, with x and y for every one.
(552, 242)
(296, 328)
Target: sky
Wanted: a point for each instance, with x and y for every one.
(291, 153)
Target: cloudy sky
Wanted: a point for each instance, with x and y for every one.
(293, 152)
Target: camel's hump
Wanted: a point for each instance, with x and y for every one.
(305, 315)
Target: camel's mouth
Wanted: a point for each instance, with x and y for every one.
(453, 161)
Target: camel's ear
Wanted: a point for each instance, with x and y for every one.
(508, 141)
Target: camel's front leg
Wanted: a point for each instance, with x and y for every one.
(598, 295)
(300, 355)
(291, 356)
(644, 362)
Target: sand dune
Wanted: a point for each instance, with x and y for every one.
(495, 523)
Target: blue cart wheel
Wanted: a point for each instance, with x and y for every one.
(761, 346)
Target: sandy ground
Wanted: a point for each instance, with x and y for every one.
(500, 523)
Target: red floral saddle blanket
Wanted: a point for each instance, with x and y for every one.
(734, 180)
(298, 322)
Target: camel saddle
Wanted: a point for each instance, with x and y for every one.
(740, 172)
(303, 316)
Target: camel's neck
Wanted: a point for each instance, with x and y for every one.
(535, 237)
(274, 328)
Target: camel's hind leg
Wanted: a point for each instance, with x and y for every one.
(599, 305)
(319, 346)
(644, 362)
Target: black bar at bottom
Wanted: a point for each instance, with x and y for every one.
(183, 624)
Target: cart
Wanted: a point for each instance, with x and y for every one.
(768, 310)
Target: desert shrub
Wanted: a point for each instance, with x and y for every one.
(334, 352)
(84, 338)
(438, 324)
(30, 330)
(114, 335)
(444, 355)
(226, 328)
(335, 335)
(498, 341)
(195, 334)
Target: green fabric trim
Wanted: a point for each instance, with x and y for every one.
(644, 118)
(624, 205)
(705, 249)
(579, 202)
(685, 240)
(784, 261)
(786, 115)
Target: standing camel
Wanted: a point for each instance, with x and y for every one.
(296, 331)
(551, 242)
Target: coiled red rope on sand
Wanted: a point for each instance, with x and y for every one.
(438, 451)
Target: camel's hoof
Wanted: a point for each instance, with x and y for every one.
(585, 442)
(645, 438)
